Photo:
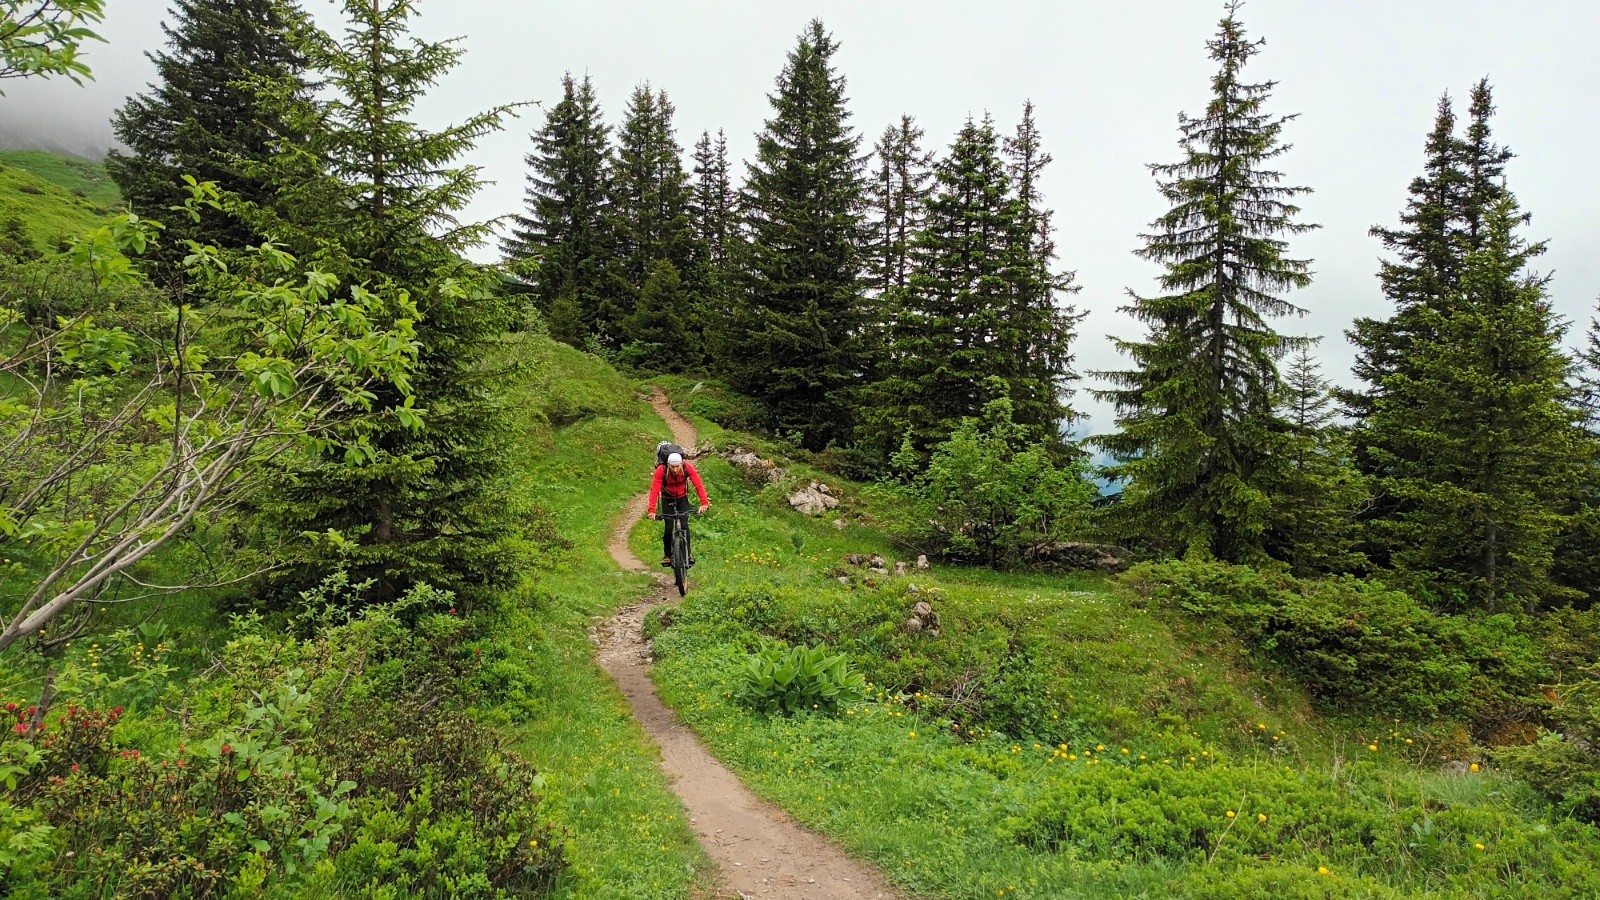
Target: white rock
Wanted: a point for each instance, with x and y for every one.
(812, 502)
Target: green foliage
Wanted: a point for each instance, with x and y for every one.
(992, 494)
(208, 116)
(564, 227)
(119, 444)
(1314, 489)
(375, 198)
(793, 341)
(354, 769)
(1564, 763)
(662, 328)
(792, 680)
(649, 210)
(42, 37)
(978, 317)
(1358, 645)
(1476, 441)
(1196, 421)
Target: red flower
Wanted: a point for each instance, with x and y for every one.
(74, 767)
(452, 610)
(21, 728)
(11, 707)
(227, 749)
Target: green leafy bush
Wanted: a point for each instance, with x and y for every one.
(989, 496)
(797, 679)
(1357, 644)
(345, 762)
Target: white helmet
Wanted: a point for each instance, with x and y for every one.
(674, 459)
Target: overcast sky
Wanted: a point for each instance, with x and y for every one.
(1108, 79)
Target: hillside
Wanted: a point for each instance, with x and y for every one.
(54, 197)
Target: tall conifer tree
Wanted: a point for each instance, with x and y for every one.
(714, 210)
(1036, 331)
(205, 116)
(1481, 434)
(715, 202)
(896, 196)
(1314, 489)
(374, 199)
(799, 318)
(1196, 417)
(565, 226)
(649, 207)
(943, 364)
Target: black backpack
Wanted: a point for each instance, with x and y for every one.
(665, 449)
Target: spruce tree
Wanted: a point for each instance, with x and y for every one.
(1196, 417)
(1463, 177)
(1481, 435)
(661, 337)
(649, 206)
(798, 319)
(714, 211)
(374, 199)
(896, 196)
(1036, 332)
(943, 364)
(1577, 554)
(565, 227)
(1314, 490)
(714, 207)
(206, 116)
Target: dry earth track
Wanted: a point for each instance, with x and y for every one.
(760, 851)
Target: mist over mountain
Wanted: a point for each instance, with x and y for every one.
(62, 117)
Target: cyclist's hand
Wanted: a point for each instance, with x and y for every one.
(652, 517)
(704, 507)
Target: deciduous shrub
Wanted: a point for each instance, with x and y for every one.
(989, 496)
(345, 762)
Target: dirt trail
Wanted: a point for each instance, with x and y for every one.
(760, 850)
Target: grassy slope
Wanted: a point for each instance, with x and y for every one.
(38, 188)
(630, 836)
(947, 816)
(76, 175)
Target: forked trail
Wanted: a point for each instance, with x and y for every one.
(760, 850)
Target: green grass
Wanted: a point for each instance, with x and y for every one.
(983, 802)
(630, 837)
(39, 189)
(78, 176)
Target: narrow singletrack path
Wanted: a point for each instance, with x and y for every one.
(759, 849)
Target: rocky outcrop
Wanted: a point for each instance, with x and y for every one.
(1079, 555)
(813, 500)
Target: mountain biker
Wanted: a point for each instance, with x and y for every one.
(671, 486)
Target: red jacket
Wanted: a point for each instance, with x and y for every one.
(676, 487)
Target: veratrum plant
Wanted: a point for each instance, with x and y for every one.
(795, 679)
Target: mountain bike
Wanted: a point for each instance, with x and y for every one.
(679, 542)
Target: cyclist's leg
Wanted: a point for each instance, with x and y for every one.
(670, 506)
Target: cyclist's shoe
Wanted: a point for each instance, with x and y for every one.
(691, 562)
(666, 562)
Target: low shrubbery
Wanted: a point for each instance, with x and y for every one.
(987, 495)
(790, 680)
(344, 762)
(1358, 645)
(1564, 763)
